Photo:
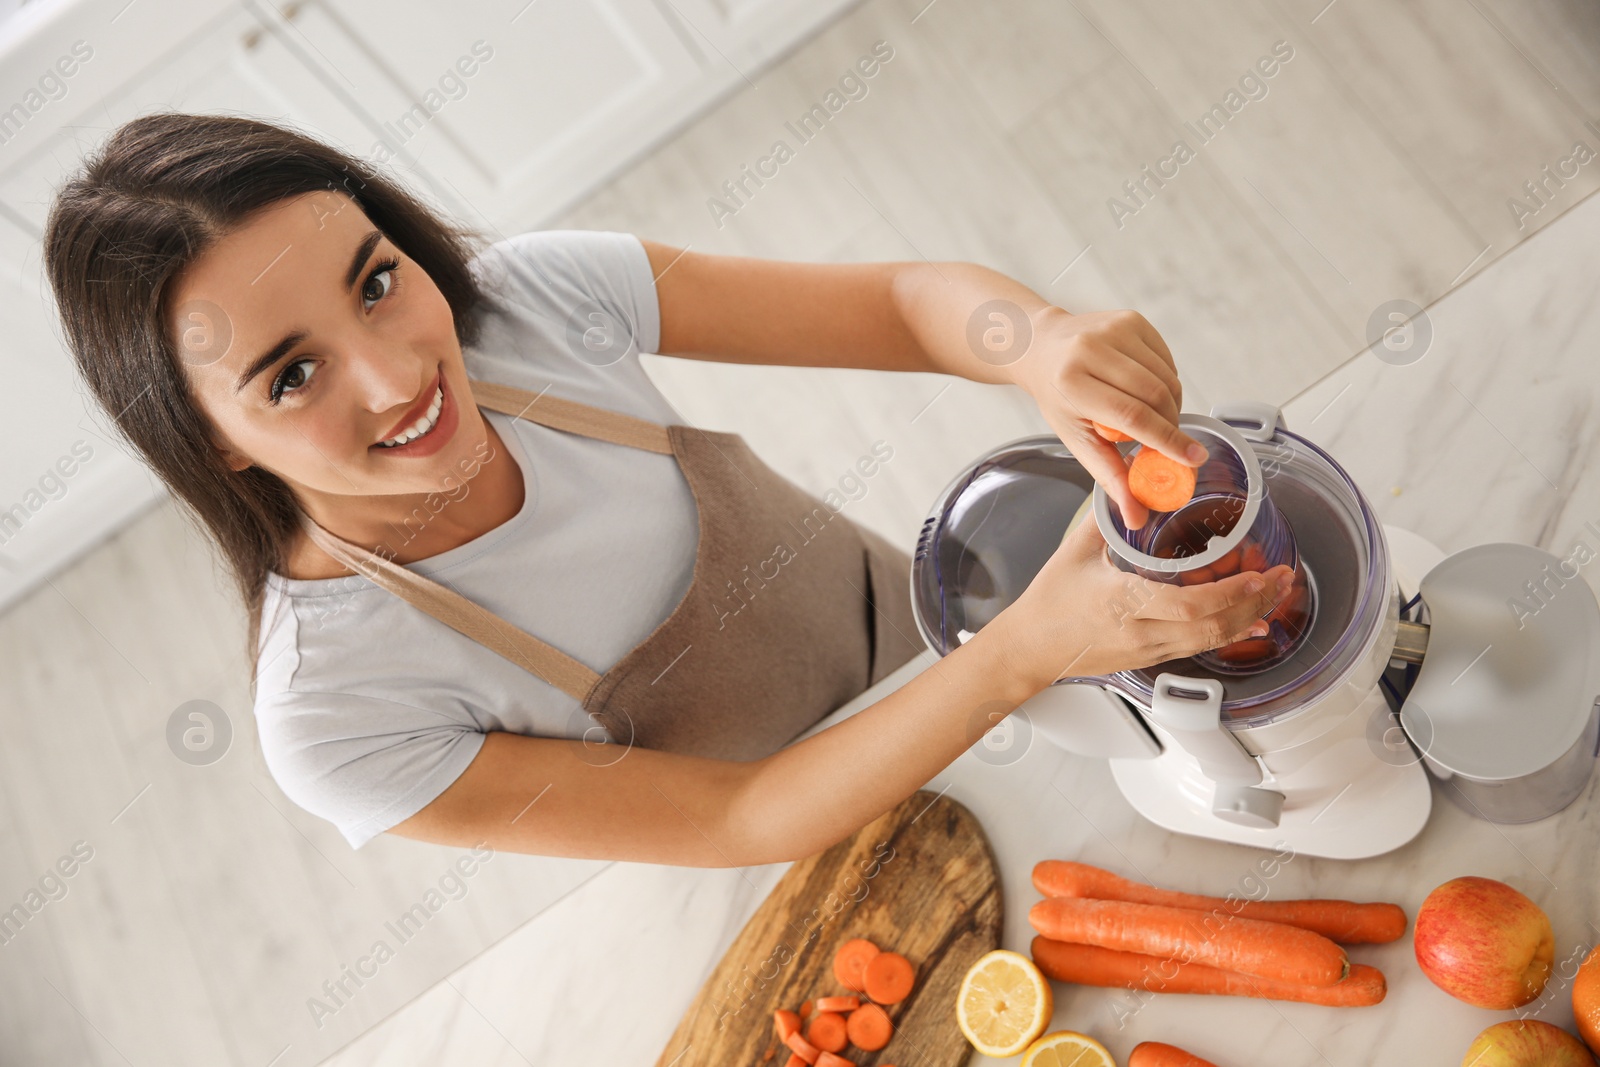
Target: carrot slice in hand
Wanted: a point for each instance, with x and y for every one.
(839, 1004)
(827, 1031)
(1114, 436)
(869, 1027)
(888, 978)
(851, 960)
(1159, 483)
(787, 1023)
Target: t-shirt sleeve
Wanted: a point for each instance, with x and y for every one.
(598, 283)
(363, 763)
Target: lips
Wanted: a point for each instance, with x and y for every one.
(419, 409)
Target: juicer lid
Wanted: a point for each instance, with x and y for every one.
(1512, 668)
(997, 522)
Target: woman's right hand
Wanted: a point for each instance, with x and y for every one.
(1082, 616)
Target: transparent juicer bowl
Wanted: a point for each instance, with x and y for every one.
(1229, 525)
(1000, 519)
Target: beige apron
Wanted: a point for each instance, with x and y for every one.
(792, 610)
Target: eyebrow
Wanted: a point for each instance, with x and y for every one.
(282, 348)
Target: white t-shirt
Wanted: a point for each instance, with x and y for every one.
(368, 708)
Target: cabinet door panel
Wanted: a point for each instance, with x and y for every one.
(237, 67)
(748, 33)
(515, 108)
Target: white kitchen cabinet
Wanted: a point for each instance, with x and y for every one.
(570, 91)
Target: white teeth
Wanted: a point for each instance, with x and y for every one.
(421, 426)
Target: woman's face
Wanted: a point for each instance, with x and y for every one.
(307, 339)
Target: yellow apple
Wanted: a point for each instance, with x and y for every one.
(1526, 1043)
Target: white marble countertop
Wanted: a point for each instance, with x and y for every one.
(1490, 436)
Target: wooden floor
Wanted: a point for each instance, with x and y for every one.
(1381, 163)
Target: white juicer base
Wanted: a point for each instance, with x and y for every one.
(1381, 807)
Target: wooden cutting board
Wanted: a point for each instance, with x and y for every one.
(919, 880)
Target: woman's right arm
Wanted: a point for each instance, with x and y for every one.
(656, 807)
(1079, 616)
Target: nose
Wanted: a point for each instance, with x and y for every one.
(384, 382)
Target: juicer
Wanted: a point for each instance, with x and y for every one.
(1389, 664)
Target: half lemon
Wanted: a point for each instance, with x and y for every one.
(1004, 1003)
(1067, 1048)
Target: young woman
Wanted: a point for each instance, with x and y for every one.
(471, 538)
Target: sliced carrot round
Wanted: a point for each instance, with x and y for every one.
(827, 1031)
(1114, 436)
(838, 1004)
(1159, 483)
(888, 977)
(828, 1059)
(805, 1009)
(786, 1021)
(851, 960)
(802, 1048)
(869, 1027)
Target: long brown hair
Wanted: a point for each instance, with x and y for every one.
(155, 195)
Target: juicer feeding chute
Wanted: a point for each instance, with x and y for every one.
(1229, 525)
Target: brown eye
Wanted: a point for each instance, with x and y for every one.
(380, 282)
(291, 378)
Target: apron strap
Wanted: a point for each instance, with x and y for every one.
(573, 417)
(460, 614)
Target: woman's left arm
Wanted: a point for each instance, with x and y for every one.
(1110, 367)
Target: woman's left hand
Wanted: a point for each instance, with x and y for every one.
(1110, 367)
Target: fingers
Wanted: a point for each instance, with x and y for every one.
(1106, 466)
(1150, 336)
(1123, 411)
(1131, 376)
(1136, 350)
(1191, 603)
(1241, 616)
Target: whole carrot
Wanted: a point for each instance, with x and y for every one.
(1249, 946)
(1338, 920)
(1155, 1054)
(1091, 965)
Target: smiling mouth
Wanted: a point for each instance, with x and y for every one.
(423, 426)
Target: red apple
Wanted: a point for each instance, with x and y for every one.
(1483, 942)
(1526, 1043)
